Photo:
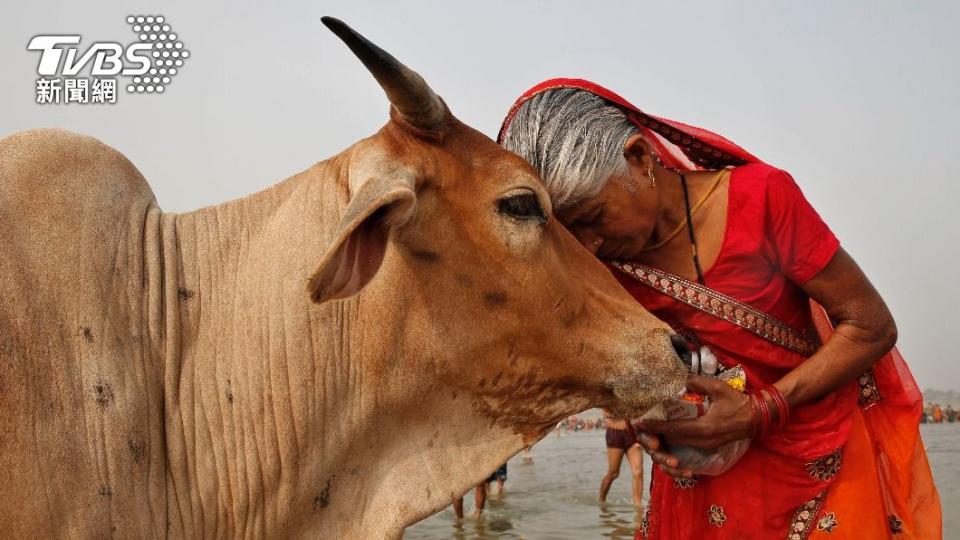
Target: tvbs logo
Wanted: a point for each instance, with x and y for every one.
(150, 63)
(107, 57)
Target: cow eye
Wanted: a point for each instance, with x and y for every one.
(524, 206)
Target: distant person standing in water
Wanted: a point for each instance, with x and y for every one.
(481, 491)
(951, 413)
(622, 441)
(500, 476)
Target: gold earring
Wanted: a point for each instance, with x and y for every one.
(653, 179)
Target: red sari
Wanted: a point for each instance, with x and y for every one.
(850, 465)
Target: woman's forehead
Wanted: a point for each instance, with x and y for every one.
(578, 210)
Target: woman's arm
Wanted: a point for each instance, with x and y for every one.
(865, 331)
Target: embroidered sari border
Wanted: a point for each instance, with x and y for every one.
(721, 306)
(804, 518)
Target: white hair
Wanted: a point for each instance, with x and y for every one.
(574, 139)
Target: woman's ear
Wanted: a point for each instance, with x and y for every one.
(638, 153)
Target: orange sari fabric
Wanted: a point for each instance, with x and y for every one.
(885, 483)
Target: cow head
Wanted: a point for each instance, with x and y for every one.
(454, 240)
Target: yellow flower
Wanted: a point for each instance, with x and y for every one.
(737, 383)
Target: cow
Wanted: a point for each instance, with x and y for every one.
(337, 356)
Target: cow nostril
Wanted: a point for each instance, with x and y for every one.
(681, 348)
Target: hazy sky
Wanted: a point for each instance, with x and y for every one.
(858, 100)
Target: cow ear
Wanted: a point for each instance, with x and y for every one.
(358, 247)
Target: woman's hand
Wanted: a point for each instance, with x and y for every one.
(729, 418)
(660, 456)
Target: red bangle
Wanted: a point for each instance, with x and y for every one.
(762, 417)
(783, 408)
(767, 415)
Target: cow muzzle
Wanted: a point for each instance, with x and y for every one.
(654, 376)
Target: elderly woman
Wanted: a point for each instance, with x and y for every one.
(727, 250)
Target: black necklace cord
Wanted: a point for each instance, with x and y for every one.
(693, 237)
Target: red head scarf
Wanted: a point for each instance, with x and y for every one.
(679, 146)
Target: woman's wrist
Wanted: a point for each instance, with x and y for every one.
(770, 411)
(789, 389)
(780, 406)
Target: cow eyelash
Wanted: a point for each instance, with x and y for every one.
(524, 206)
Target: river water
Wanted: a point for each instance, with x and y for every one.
(554, 497)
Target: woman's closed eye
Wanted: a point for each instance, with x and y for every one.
(524, 206)
(594, 217)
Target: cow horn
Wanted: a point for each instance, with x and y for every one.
(406, 90)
